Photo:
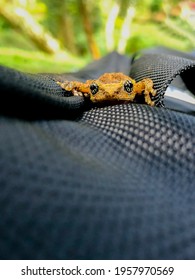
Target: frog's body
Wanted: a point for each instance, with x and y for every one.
(112, 88)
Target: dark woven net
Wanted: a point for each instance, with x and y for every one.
(116, 182)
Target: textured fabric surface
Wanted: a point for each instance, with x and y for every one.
(115, 182)
(162, 69)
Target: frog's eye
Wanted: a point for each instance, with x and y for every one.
(128, 86)
(94, 88)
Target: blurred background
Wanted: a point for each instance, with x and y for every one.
(63, 35)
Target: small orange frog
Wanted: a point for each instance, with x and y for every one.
(112, 88)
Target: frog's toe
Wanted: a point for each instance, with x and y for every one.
(151, 103)
(148, 99)
(153, 92)
(77, 93)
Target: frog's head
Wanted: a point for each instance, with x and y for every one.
(111, 92)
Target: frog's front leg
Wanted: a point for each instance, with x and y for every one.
(145, 87)
(77, 88)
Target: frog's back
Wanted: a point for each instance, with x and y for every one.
(109, 78)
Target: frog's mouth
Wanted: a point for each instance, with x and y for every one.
(106, 103)
(111, 98)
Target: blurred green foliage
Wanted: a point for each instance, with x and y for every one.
(63, 35)
(38, 62)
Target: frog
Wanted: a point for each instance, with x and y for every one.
(112, 88)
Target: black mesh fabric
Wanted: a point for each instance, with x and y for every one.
(81, 182)
(162, 69)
